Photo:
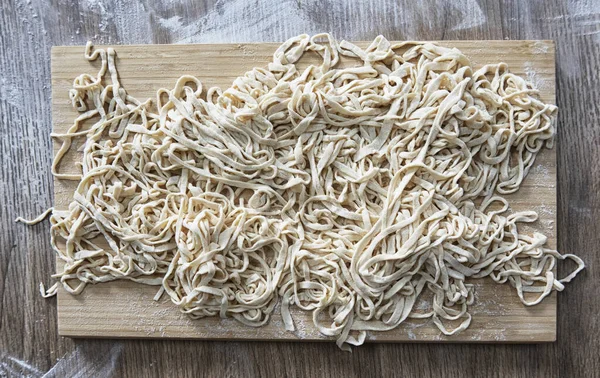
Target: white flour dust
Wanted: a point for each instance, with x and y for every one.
(130, 20)
(260, 22)
(584, 16)
(471, 15)
(276, 21)
(88, 361)
(14, 367)
(12, 93)
(533, 77)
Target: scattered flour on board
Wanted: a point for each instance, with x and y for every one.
(540, 174)
(500, 335)
(534, 77)
(489, 302)
(162, 319)
(303, 328)
(478, 334)
(545, 212)
(411, 326)
(541, 177)
(540, 47)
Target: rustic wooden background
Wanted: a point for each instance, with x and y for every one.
(29, 344)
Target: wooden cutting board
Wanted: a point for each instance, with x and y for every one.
(126, 309)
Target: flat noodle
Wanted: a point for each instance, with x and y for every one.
(36, 220)
(347, 192)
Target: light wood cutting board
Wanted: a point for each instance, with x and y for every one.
(126, 310)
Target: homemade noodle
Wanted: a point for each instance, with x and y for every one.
(345, 190)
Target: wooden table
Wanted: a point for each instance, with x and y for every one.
(29, 344)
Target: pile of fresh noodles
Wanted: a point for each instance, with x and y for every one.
(344, 191)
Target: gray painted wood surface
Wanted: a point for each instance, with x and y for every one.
(29, 344)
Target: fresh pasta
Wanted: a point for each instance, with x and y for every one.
(345, 190)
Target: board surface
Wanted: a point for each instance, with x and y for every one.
(125, 309)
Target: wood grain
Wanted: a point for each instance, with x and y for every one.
(124, 309)
(29, 343)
